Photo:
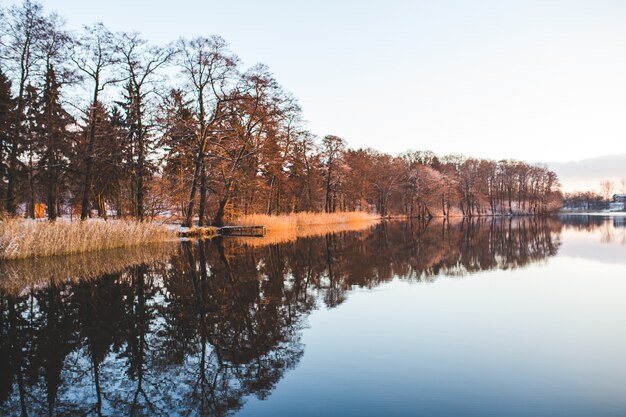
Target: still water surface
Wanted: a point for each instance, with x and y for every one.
(521, 317)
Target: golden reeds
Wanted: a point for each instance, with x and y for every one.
(201, 232)
(296, 221)
(290, 235)
(21, 239)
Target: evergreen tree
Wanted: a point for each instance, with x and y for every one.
(7, 108)
(54, 142)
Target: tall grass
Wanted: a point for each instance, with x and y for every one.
(297, 221)
(21, 239)
(291, 235)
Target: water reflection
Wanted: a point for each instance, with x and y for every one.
(22, 275)
(220, 320)
(611, 229)
(591, 221)
(601, 238)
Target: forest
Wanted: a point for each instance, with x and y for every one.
(102, 124)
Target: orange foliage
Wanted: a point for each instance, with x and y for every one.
(40, 210)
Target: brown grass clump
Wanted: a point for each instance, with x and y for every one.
(201, 232)
(21, 239)
(298, 221)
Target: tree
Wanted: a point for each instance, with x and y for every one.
(141, 62)
(252, 117)
(94, 55)
(54, 144)
(606, 189)
(333, 148)
(22, 32)
(178, 126)
(7, 118)
(210, 71)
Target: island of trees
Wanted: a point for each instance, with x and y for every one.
(106, 124)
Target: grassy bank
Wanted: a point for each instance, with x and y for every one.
(296, 221)
(21, 239)
(291, 235)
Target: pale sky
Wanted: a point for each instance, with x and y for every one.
(534, 80)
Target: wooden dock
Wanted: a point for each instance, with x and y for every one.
(243, 231)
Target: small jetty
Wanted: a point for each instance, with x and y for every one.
(227, 231)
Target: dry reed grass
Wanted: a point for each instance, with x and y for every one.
(290, 227)
(297, 221)
(201, 232)
(285, 236)
(21, 239)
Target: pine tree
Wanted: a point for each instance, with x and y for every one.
(7, 117)
(29, 148)
(54, 142)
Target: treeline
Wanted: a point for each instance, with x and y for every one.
(585, 200)
(606, 199)
(102, 123)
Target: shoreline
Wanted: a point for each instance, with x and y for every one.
(31, 239)
(24, 239)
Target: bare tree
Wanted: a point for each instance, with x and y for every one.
(254, 114)
(94, 55)
(606, 189)
(332, 151)
(141, 62)
(210, 71)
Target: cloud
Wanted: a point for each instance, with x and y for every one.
(586, 174)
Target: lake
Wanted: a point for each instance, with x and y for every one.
(506, 317)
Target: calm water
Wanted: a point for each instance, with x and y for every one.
(510, 318)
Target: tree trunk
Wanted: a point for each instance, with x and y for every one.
(198, 166)
(218, 220)
(141, 155)
(31, 187)
(52, 196)
(202, 202)
(328, 197)
(11, 205)
(84, 210)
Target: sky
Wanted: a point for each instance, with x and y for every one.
(531, 80)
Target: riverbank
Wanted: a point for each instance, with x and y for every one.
(20, 239)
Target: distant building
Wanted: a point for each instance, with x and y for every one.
(618, 203)
(619, 198)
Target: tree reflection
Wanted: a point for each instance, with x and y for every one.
(222, 319)
(612, 229)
